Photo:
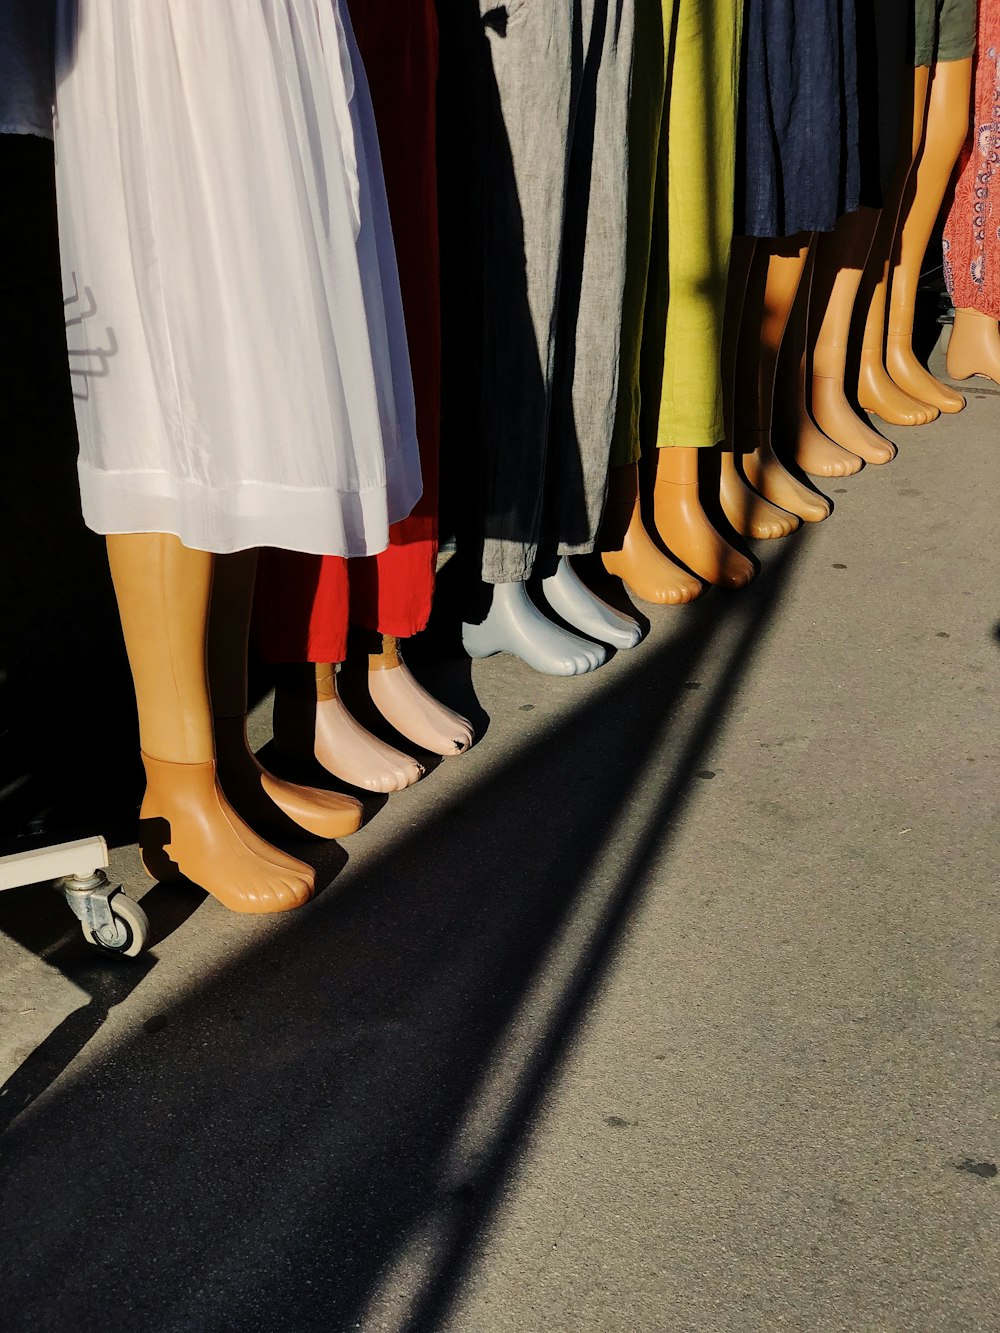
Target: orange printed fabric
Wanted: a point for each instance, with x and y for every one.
(972, 232)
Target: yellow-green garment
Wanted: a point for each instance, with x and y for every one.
(682, 139)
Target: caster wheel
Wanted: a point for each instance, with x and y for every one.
(131, 924)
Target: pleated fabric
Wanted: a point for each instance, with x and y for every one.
(304, 604)
(972, 231)
(682, 136)
(798, 156)
(235, 326)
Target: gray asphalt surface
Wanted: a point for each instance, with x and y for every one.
(672, 1006)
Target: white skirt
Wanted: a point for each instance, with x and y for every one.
(234, 320)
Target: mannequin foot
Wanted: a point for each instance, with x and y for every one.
(877, 393)
(837, 419)
(687, 533)
(749, 513)
(572, 600)
(820, 456)
(769, 477)
(188, 828)
(647, 572)
(321, 728)
(974, 347)
(515, 625)
(264, 800)
(412, 711)
(905, 370)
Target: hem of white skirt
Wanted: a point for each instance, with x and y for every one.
(314, 521)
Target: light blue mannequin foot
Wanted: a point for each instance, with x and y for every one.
(570, 598)
(515, 625)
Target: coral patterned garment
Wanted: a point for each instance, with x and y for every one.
(972, 233)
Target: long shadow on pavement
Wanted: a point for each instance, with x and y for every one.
(319, 1133)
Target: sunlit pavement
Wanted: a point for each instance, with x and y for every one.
(672, 1006)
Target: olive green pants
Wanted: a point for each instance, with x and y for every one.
(945, 30)
(682, 137)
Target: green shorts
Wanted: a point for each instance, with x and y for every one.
(944, 30)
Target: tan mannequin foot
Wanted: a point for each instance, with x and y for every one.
(188, 828)
(647, 572)
(769, 477)
(820, 456)
(877, 393)
(323, 729)
(974, 347)
(413, 712)
(837, 419)
(264, 800)
(905, 370)
(687, 533)
(749, 513)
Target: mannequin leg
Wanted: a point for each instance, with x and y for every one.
(515, 625)
(569, 597)
(749, 513)
(259, 796)
(629, 553)
(186, 825)
(775, 275)
(684, 527)
(946, 131)
(840, 261)
(974, 348)
(311, 721)
(876, 391)
(407, 706)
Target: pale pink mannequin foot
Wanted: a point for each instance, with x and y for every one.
(264, 800)
(412, 710)
(768, 476)
(906, 371)
(877, 393)
(323, 729)
(749, 513)
(837, 419)
(974, 347)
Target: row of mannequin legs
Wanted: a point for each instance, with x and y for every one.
(798, 300)
(186, 614)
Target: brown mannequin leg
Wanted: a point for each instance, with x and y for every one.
(775, 275)
(407, 706)
(259, 796)
(629, 553)
(749, 513)
(311, 721)
(684, 527)
(946, 131)
(187, 826)
(974, 348)
(840, 261)
(876, 391)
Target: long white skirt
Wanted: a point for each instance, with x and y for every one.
(235, 326)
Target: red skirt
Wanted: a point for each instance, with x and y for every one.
(304, 604)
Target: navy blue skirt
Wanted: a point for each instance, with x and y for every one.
(797, 151)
